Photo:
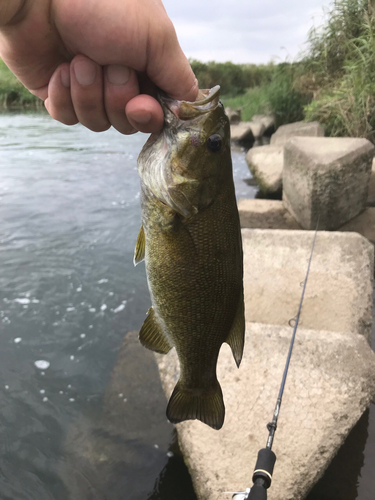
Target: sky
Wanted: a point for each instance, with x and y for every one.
(244, 31)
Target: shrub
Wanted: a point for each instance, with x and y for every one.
(234, 79)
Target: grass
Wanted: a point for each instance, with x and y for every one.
(253, 102)
(342, 59)
(12, 92)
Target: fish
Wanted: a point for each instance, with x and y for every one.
(190, 240)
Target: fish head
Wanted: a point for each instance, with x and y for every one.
(184, 164)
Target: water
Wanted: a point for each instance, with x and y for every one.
(82, 414)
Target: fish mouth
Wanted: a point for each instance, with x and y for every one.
(207, 100)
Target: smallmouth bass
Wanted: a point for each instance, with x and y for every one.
(190, 240)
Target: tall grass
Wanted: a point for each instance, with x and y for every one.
(345, 101)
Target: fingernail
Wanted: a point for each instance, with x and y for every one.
(65, 77)
(118, 75)
(85, 72)
(142, 118)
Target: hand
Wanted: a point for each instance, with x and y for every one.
(97, 62)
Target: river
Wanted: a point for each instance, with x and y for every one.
(82, 413)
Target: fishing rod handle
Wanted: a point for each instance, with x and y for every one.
(264, 466)
(262, 475)
(258, 491)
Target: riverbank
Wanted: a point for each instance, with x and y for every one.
(13, 95)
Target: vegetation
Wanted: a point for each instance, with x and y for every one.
(342, 62)
(12, 92)
(234, 79)
(333, 83)
(279, 97)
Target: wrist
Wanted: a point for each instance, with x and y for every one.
(11, 11)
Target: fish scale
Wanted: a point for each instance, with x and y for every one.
(191, 242)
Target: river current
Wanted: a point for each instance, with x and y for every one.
(82, 413)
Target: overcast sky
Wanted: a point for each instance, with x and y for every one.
(244, 31)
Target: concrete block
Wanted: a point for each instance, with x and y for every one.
(241, 133)
(286, 132)
(268, 122)
(326, 177)
(330, 383)
(257, 129)
(234, 115)
(266, 165)
(339, 291)
(265, 214)
(363, 224)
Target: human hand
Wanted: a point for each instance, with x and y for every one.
(97, 62)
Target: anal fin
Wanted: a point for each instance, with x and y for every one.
(140, 247)
(236, 337)
(152, 336)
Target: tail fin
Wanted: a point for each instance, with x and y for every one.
(208, 407)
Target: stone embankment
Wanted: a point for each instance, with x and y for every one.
(332, 375)
(256, 132)
(329, 178)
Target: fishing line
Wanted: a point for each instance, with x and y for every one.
(262, 475)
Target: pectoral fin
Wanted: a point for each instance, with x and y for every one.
(140, 246)
(236, 337)
(152, 336)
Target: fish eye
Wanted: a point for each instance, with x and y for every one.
(214, 142)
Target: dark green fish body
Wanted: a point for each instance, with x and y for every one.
(191, 241)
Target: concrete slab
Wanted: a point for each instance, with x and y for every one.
(272, 214)
(286, 132)
(326, 177)
(339, 292)
(330, 383)
(265, 214)
(266, 165)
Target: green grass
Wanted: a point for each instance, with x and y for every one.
(12, 92)
(253, 102)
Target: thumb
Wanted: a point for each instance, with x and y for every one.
(169, 68)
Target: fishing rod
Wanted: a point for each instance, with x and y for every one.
(262, 475)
